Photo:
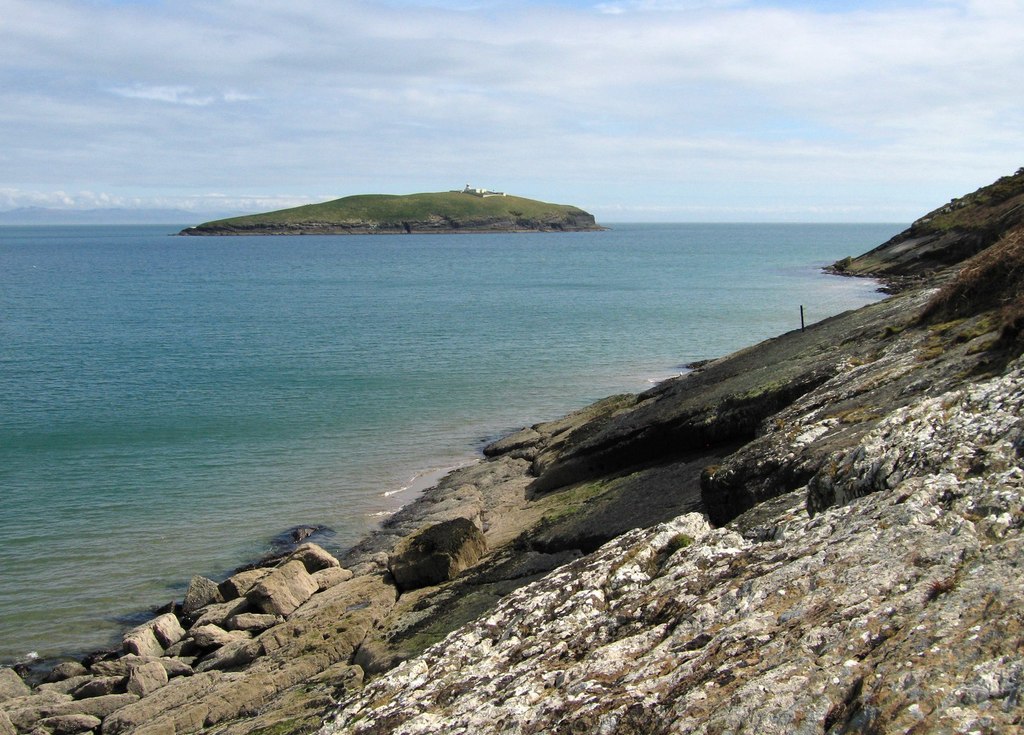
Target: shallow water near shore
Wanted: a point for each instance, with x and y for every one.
(168, 405)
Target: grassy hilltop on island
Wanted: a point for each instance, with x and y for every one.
(468, 210)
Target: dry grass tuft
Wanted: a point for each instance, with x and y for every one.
(992, 279)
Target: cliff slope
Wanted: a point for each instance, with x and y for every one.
(945, 236)
(440, 212)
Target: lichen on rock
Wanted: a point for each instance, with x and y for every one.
(886, 613)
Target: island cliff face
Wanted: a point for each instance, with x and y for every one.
(821, 533)
(442, 212)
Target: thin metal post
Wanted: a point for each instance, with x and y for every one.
(801, 317)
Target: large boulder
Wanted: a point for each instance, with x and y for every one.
(284, 589)
(167, 629)
(65, 670)
(219, 612)
(314, 557)
(238, 585)
(213, 636)
(436, 554)
(70, 724)
(11, 685)
(6, 726)
(99, 686)
(253, 622)
(147, 678)
(201, 592)
(142, 641)
(235, 654)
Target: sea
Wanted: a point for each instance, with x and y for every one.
(170, 405)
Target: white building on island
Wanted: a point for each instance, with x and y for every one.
(484, 193)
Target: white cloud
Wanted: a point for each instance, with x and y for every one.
(174, 95)
(179, 95)
(13, 198)
(659, 105)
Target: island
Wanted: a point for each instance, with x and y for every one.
(469, 210)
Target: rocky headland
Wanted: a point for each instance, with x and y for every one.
(465, 211)
(817, 534)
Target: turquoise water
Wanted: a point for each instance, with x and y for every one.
(168, 405)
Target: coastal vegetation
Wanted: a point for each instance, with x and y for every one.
(979, 210)
(945, 237)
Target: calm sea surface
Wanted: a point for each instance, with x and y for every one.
(168, 405)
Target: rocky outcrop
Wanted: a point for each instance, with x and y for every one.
(433, 225)
(897, 612)
(183, 672)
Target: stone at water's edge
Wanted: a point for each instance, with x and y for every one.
(201, 592)
(315, 558)
(239, 584)
(142, 642)
(167, 629)
(66, 670)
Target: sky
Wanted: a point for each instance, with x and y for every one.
(635, 110)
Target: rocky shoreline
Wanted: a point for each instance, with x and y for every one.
(437, 226)
(819, 533)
